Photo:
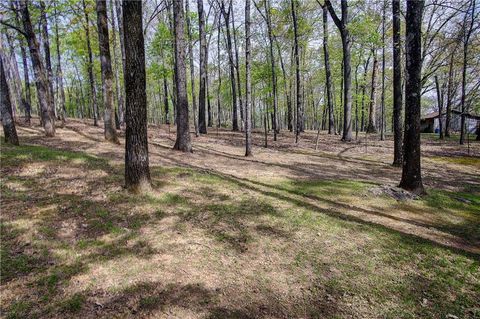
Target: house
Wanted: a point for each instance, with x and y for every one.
(430, 123)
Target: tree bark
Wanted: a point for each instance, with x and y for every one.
(372, 128)
(397, 86)
(466, 40)
(226, 16)
(411, 173)
(347, 76)
(328, 72)
(440, 106)
(183, 135)
(450, 93)
(118, 10)
(107, 75)
(48, 60)
(137, 171)
(8, 123)
(192, 69)
(60, 88)
(248, 84)
(41, 81)
(297, 70)
(118, 87)
(91, 77)
(202, 120)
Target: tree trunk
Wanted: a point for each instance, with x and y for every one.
(449, 94)
(183, 135)
(440, 106)
(219, 75)
(48, 60)
(328, 72)
(237, 62)
(8, 123)
(248, 84)
(137, 172)
(43, 92)
(93, 90)
(397, 86)
(226, 16)
(63, 110)
(118, 88)
(347, 76)
(372, 128)
(411, 173)
(273, 70)
(297, 70)
(27, 99)
(107, 75)
(202, 120)
(192, 69)
(118, 10)
(466, 40)
(382, 101)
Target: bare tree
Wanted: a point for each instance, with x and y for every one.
(107, 75)
(248, 83)
(8, 123)
(183, 134)
(412, 173)
(202, 121)
(347, 77)
(137, 171)
(397, 86)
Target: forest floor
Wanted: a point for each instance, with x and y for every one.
(289, 233)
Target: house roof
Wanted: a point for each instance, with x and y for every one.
(434, 115)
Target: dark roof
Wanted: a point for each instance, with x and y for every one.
(434, 115)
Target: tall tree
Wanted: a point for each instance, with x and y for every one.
(202, 120)
(118, 89)
(328, 72)
(342, 25)
(467, 29)
(382, 102)
(8, 123)
(412, 173)
(47, 56)
(183, 134)
(107, 75)
(59, 77)
(237, 63)
(118, 9)
(137, 171)
(294, 5)
(440, 106)
(248, 83)
(372, 127)
(397, 86)
(91, 77)
(226, 15)
(41, 80)
(192, 69)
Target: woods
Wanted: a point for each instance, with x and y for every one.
(243, 158)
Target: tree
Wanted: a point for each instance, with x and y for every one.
(397, 86)
(297, 70)
(466, 41)
(41, 80)
(372, 127)
(411, 173)
(192, 69)
(347, 77)
(183, 134)
(46, 50)
(137, 171)
(226, 16)
(91, 77)
(248, 83)
(328, 72)
(8, 123)
(59, 77)
(107, 74)
(202, 121)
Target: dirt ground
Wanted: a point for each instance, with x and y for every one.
(292, 232)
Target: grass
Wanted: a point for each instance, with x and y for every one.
(208, 243)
